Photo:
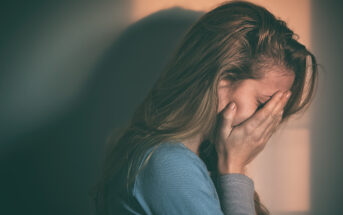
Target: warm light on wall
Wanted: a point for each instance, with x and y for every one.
(295, 13)
(282, 172)
(142, 8)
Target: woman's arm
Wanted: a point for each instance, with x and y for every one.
(236, 192)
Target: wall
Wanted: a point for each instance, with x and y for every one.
(326, 144)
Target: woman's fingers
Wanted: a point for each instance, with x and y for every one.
(271, 128)
(227, 119)
(225, 128)
(276, 114)
(268, 127)
(266, 119)
(280, 106)
(263, 114)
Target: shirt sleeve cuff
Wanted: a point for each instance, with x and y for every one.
(236, 193)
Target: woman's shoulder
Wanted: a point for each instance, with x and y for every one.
(172, 155)
(174, 170)
(171, 160)
(176, 180)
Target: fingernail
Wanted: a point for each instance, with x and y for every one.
(289, 93)
(232, 106)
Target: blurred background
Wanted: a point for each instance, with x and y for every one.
(72, 71)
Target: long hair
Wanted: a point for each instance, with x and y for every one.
(234, 41)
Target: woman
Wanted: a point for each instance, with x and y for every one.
(238, 73)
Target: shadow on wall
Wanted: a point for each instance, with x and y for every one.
(51, 169)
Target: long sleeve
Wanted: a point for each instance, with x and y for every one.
(176, 181)
(236, 193)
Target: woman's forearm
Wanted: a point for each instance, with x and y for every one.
(236, 193)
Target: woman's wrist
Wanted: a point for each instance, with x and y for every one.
(231, 170)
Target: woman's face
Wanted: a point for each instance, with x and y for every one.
(249, 94)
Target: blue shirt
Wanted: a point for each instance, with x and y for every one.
(176, 181)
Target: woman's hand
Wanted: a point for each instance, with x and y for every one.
(238, 146)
